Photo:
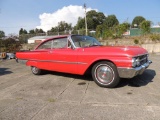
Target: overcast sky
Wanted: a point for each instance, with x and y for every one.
(31, 14)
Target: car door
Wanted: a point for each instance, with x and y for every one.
(62, 57)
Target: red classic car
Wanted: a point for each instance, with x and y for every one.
(78, 54)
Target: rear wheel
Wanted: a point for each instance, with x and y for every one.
(36, 71)
(105, 74)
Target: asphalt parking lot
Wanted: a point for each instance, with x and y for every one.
(59, 96)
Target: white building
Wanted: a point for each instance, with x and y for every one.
(156, 26)
(38, 39)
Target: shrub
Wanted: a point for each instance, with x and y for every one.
(136, 41)
(155, 37)
(10, 45)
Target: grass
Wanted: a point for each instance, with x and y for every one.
(19, 98)
(51, 100)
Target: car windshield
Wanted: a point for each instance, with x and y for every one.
(84, 41)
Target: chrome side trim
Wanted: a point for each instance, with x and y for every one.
(131, 72)
(53, 61)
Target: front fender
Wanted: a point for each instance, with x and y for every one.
(117, 60)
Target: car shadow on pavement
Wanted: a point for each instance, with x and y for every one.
(140, 80)
(4, 71)
(74, 76)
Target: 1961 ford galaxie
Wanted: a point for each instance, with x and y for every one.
(78, 54)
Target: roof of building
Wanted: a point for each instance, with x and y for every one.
(40, 37)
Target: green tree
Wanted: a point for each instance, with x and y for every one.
(99, 31)
(103, 32)
(62, 27)
(2, 34)
(35, 31)
(93, 20)
(121, 28)
(22, 31)
(111, 21)
(23, 36)
(108, 28)
(38, 30)
(31, 31)
(145, 26)
(80, 23)
(137, 21)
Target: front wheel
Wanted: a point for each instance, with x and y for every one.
(36, 71)
(105, 74)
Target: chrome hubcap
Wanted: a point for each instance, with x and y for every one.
(35, 70)
(104, 74)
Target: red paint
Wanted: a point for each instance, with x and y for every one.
(78, 60)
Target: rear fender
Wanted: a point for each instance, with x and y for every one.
(31, 63)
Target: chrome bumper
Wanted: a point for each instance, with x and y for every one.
(131, 72)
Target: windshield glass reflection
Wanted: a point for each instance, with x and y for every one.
(84, 41)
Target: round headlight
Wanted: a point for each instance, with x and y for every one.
(134, 63)
(138, 62)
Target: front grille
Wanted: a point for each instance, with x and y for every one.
(143, 59)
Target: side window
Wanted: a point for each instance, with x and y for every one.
(46, 45)
(59, 43)
(77, 40)
(54, 44)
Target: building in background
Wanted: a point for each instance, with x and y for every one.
(138, 32)
(38, 39)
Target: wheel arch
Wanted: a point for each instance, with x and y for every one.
(88, 71)
(31, 63)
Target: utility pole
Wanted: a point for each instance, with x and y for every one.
(85, 19)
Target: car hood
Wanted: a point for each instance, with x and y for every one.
(129, 51)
